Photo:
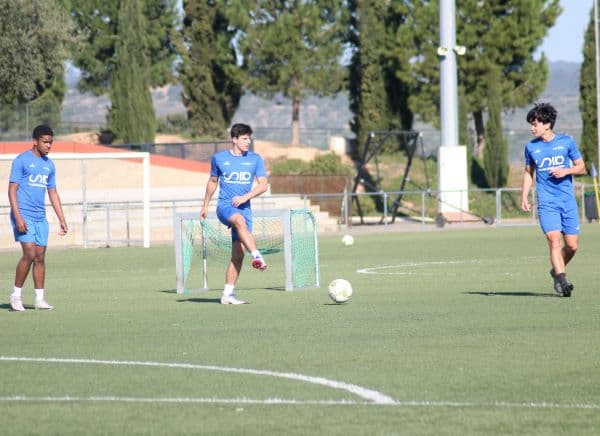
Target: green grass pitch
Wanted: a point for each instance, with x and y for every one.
(448, 332)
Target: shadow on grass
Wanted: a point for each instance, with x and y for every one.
(7, 307)
(512, 294)
(200, 300)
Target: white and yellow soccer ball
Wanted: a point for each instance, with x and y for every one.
(347, 240)
(340, 290)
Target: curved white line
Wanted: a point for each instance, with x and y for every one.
(367, 394)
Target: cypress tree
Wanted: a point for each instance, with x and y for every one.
(378, 98)
(367, 82)
(131, 116)
(587, 97)
(495, 155)
(209, 75)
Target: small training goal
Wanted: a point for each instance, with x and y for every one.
(291, 233)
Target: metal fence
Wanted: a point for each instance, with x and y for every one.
(108, 224)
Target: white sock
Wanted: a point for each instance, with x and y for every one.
(39, 294)
(228, 290)
(16, 292)
(256, 254)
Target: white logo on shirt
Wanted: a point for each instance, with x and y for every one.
(38, 180)
(552, 161)
(237, 177)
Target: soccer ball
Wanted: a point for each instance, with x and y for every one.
(347, 240)
(340, 290)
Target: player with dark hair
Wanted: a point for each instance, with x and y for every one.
(234, 171)
(32, 175)
(555, 159)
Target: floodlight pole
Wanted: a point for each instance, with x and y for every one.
(448, 80)
(452, 157)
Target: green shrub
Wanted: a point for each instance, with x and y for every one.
(288, 167)
(327, 165)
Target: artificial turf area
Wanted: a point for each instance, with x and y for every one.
(448, 332)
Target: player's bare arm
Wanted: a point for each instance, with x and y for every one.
(14, 207)
(527, 183)
(57, 206)
(211, 187)
(259, 188)
(578, 169)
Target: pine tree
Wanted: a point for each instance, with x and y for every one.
(97, 23)
(495, 156)
(291, 48)
(587, 98)
(131, 115)
(495, 33)
(210, 77)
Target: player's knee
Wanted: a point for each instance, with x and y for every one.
(29, 256)
(237, 258)
(238, 222)
(555, 243)
(571, 247)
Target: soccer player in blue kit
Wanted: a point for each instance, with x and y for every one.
(555, 159)
(32, 174)
(234, 171)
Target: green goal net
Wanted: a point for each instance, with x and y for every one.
(290, 233)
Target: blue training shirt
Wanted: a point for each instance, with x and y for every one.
(34, 175)
(236, 174)
(560, 152)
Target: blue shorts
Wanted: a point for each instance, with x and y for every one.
(559, 217)
(226, 211)
(37, 231)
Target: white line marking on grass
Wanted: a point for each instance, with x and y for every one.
(378, 269)
(371, 397)
(381, 270)
(276, 401)
(366, 394)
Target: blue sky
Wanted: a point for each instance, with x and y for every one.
(565, 40)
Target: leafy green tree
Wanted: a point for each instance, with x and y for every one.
(209, 74)
(377, 98)
(97, 22)
(292, 48)
(495, 155)
(35, 36)
(47, 108)
(504, 33)
(131, 116)
(587, 98)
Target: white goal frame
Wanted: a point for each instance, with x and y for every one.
(283, 214)
(143, 155)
